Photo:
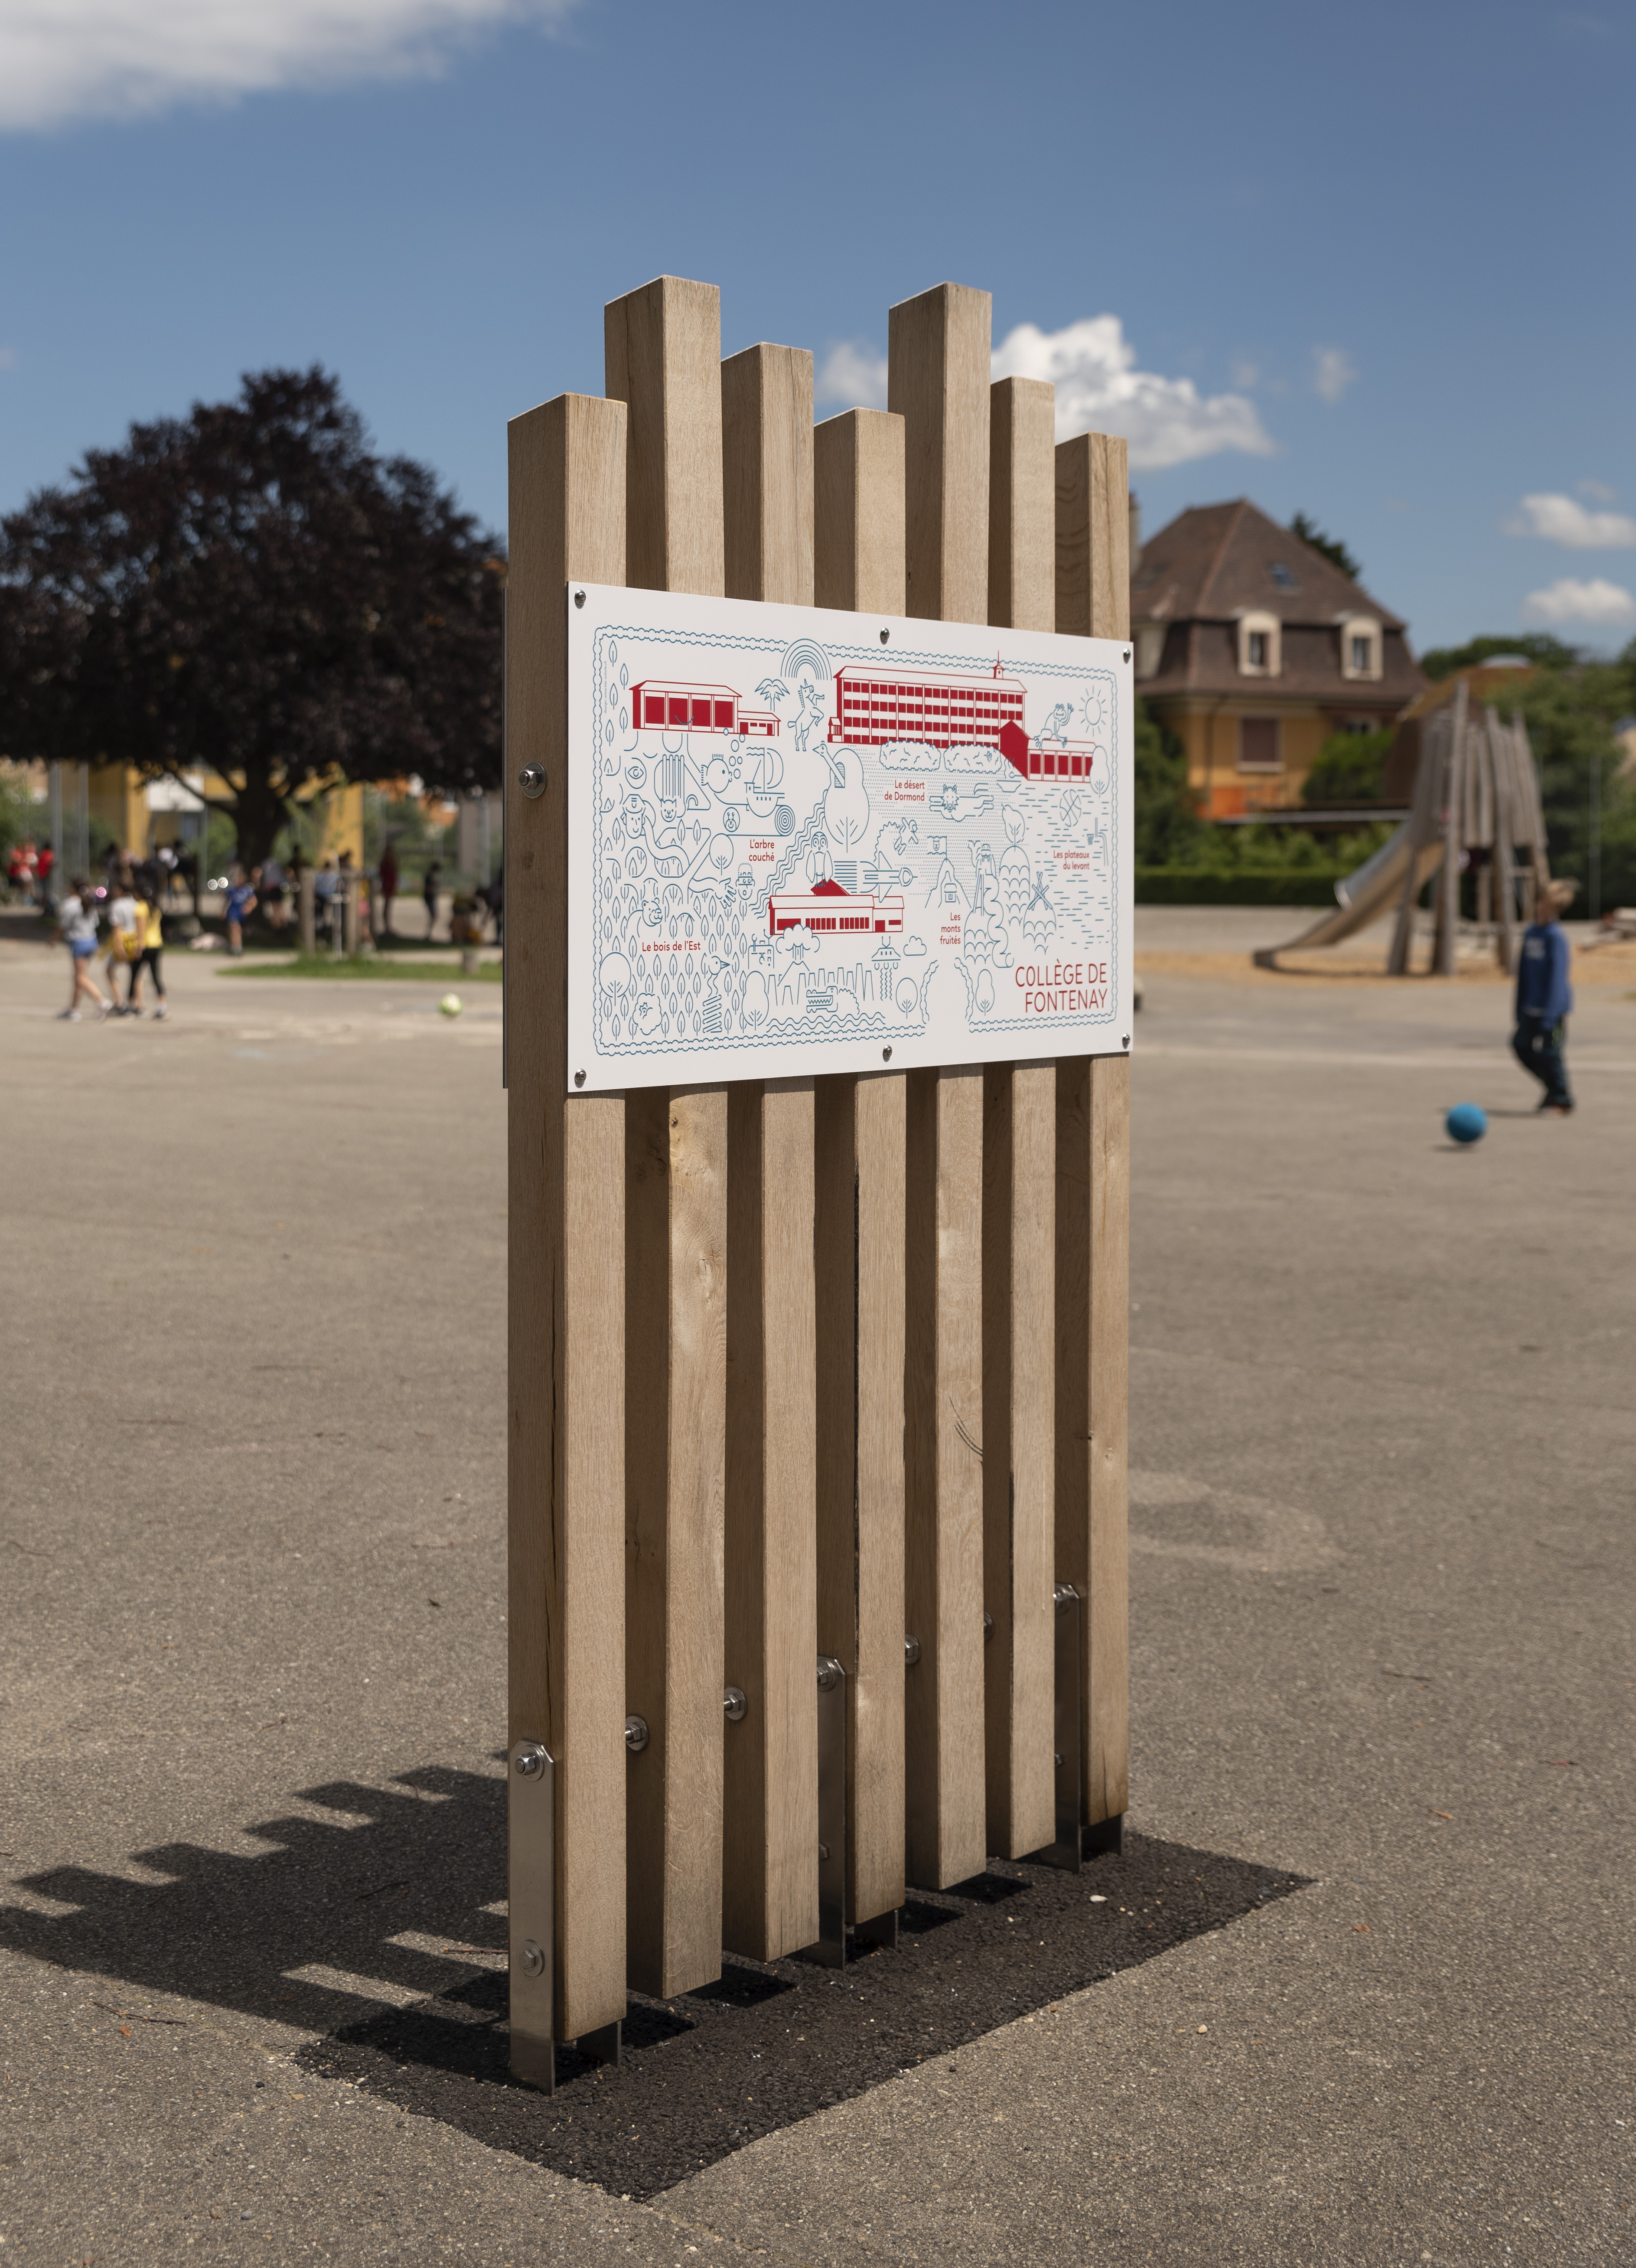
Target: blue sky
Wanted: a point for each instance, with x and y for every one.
(1366, 262)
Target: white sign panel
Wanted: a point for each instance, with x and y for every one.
(804, 842)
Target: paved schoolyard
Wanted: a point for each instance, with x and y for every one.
(1385, 1434)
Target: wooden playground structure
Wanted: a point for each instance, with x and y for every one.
(817, 1570)
(1477, 809)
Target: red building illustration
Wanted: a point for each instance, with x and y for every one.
(828, 908)
(878, 704)
(661, 704)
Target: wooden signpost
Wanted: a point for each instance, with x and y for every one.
(789, 1476)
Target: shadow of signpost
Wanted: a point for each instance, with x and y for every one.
(422, 1857)
(371, 1928)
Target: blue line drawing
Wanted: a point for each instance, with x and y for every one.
(779, 860)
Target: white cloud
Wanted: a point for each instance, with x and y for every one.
(1564, 519)
(1333, 371)
(1598, 491)
(1570, 600)
(68, 59)
(852, 375)
(1245, 374)
(1099, 389)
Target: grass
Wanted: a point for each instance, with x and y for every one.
(343, 971)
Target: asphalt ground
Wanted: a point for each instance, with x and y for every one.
(252, 1547)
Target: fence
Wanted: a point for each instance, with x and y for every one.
(883, 1431)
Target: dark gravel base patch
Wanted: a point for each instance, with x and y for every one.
(710, 2071)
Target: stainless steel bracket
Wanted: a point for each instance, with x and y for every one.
(531, 1910)
(1065, 1851)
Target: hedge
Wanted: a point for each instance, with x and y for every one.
(1195, 886)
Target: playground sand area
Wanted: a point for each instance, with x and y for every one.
(1216, 945)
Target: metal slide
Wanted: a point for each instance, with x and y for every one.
(1375, 889)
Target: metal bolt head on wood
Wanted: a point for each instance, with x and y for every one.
(636, 1735)
(735, 1708)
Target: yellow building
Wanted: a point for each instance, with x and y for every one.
(1254, 649)
(141, 814)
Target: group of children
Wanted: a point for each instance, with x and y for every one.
(135, 943)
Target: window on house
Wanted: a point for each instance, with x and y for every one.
(1258, 744)
(1260, 642)
(1360, 647)
(1282, 577)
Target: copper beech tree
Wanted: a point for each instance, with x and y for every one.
(252, 589)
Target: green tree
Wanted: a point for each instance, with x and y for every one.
(1570, 715)
(1538, 646)
(1330, 547)
(1347, 768)
(252, 589)
(1169, 829)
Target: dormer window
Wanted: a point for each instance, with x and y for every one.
(1149, 648)
(1360, 647)
(1282, 577)
(1260, 644)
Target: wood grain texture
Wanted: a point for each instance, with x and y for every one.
(1019, 1475)
(859, 1242)
(664, 360)
(770, 1886)
(767, 466)
(1019, 1145)
(770, 1877)
(1022, 503)
(858, 512)
(938, 382)
(1093, 568)
(1093, 1297)
(943, 1479)
(663, 348)
(1093, 1207)
(565, 1482)
(859, 1252)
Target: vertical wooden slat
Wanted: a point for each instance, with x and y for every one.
(1022, 504)
(1093, 537)
(766, 471)
(860, 1254)
(1093, 1208)
(770, 1881)
(858, 505)
(938, 382)
(662, 349)
(1019, 1145)
(565, 1391)
(770, 1850)
(1019, 1506)
(945, 1807)
(664, 360)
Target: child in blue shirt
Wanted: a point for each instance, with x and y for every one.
(1544, 997)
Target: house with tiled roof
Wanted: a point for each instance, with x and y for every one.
(1254, 649)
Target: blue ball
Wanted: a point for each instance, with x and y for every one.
(1466, 1123)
